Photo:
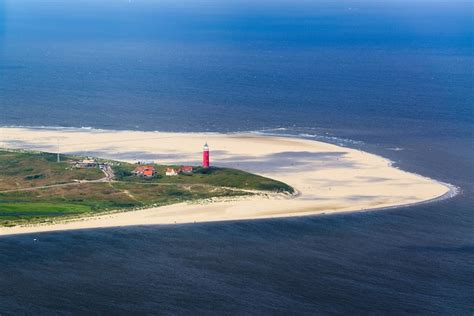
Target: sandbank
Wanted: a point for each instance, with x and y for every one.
(328, 178)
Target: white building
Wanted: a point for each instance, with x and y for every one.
(171, 172)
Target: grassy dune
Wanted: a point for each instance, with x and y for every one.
(25, 169)
(222, 177)
(52, 191)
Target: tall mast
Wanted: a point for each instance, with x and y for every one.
(59, 158)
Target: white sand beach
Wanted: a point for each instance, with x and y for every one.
(328, 178)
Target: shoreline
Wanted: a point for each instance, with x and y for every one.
(454, 191)
(330, 179)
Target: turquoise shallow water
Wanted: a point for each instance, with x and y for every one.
(395, 80)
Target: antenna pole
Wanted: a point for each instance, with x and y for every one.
(59, 158)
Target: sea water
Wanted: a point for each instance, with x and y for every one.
(395, 79)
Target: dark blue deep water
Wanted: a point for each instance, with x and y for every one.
(394, 77)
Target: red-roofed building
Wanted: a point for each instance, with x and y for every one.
(187, 169)
(145, 171)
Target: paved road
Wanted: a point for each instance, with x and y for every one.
(109, 173)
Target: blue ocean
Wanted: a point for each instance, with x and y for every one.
(394, 77)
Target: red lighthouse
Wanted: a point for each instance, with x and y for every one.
(205, 156)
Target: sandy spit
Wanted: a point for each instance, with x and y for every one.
(328, 178)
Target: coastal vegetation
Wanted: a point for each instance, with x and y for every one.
(34, 187)
(221, 177)
(19, 169)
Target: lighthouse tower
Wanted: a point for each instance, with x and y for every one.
(205, 156)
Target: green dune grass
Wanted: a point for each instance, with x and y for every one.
(34, 187)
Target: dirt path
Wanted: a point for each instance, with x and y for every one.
(107, 170)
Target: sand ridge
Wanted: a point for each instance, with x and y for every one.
(328, 178)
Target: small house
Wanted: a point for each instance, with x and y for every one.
(86, 163)
(172, 172)
(145, 171)
(187, 169)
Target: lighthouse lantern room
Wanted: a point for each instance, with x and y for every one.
(205, 156)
